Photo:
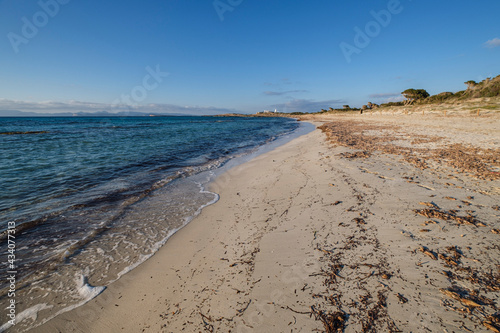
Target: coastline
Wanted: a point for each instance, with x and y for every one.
(303, 237)
(94, 235)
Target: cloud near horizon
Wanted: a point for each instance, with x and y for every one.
(495, 42)
(78, 106)
(387, 97)
(280, 93)
(307, 105)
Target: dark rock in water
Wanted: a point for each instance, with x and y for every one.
(30, 132)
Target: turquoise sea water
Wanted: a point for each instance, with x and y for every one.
(92, 198)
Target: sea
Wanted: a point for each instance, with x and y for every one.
(84, 200)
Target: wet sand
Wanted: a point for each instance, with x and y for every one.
(379, 228)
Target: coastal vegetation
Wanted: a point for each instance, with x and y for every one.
(484, 95)
(412, 95)
(484, 89)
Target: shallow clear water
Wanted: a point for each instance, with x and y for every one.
(94, 197)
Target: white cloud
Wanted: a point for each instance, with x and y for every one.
(495, 42)
(307, 105)
(279, 93)
(394, 99)
(385, 95)
(78, 106)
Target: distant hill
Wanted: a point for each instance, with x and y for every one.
(483, 96)
(17, 113)
(486, 88)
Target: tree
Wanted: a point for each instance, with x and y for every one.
(412, 95)
(470, 84)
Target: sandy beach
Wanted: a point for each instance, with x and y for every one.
(372, 223)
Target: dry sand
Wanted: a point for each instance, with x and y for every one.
(312, 237)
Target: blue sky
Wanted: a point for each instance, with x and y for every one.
(208, 56)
